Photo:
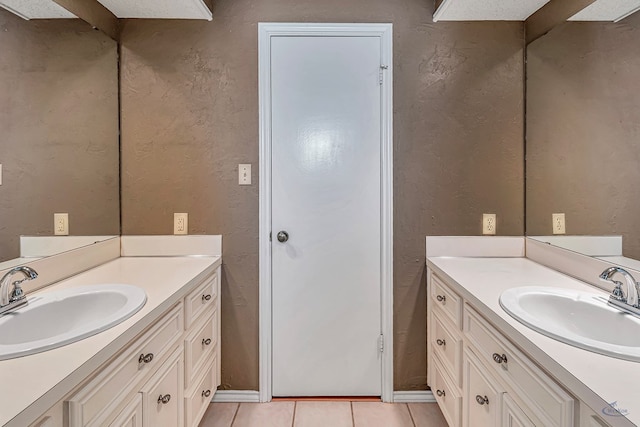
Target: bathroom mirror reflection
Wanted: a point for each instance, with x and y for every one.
(58, 131)
(583, 136)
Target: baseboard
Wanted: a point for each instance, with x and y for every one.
(250, 396)
(422, 396)
(236, 396)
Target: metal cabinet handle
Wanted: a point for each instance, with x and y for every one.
(282, 236)
(441, 342)
(164, 399)
(145, 358)
(440, 393)
(482, 400)
(441, 298)
(206, 393)
(499, 358)
(206, 341)
(206, 297)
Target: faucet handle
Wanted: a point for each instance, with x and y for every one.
(617, 291)
(17, 294)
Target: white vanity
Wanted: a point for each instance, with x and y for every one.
(160, 367)
(488, 369)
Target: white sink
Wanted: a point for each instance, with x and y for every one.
(581, 319)
(56, 318)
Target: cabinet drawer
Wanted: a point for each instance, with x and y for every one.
(482, 398)
(162, 395)
(548, 401)
(53, 418)
(131, 415)
(446, 301)
(199, 345)
(447, 344)
(446, 394)
(97, 401)
(201, 299)
(198, 398)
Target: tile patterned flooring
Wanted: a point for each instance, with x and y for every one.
(323, 414)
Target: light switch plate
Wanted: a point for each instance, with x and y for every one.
(244, 174)
(61, 224)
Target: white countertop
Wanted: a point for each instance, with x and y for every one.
(30, 385)
(593, 378)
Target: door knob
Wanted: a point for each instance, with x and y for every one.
(283, 236)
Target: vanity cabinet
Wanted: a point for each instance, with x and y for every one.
(479, 377)
(164, 377)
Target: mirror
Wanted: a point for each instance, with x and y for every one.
(59, 146)
(583, 136)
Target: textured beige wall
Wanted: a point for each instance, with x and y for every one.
(583, 130)
(58, 129)
(190, 115)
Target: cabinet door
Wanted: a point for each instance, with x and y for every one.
(131, 415)
(512, 415)
(162, 395)
(482, 398)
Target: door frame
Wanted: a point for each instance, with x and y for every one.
(265, 32)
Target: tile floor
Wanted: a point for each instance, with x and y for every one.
(323, 414)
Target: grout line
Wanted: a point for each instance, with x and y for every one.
(353, 417)
(295, 408)
(235, 415)
(411, 415)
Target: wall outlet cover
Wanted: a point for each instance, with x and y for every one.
(181, 223)
(558, 223)
(61, 224)
(489, 224)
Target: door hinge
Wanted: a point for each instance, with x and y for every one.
(381, 343)
(381, 73)
(269, 236)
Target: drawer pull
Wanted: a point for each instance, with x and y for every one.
(206, 342)
(441, 298)
(499, 358)
(441, 342)
(145, 358)
(482, 400)
(206, 393)
(206, 297)
(164, 399)
(440, 393)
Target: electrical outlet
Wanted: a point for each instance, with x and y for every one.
(557, 222)
(180, 223)
(61, 224)
(489, 224)
(244, 174)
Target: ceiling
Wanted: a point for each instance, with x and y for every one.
(36, 9)
(175, 9)
(520, 10)
(157, 9)
(607, 10)
(487, 10)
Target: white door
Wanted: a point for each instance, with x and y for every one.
(326, 183)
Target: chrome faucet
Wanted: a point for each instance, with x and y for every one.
(11, 294)
(628, 300)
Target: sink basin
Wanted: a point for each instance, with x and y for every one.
(56, 318)
(581, 319)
